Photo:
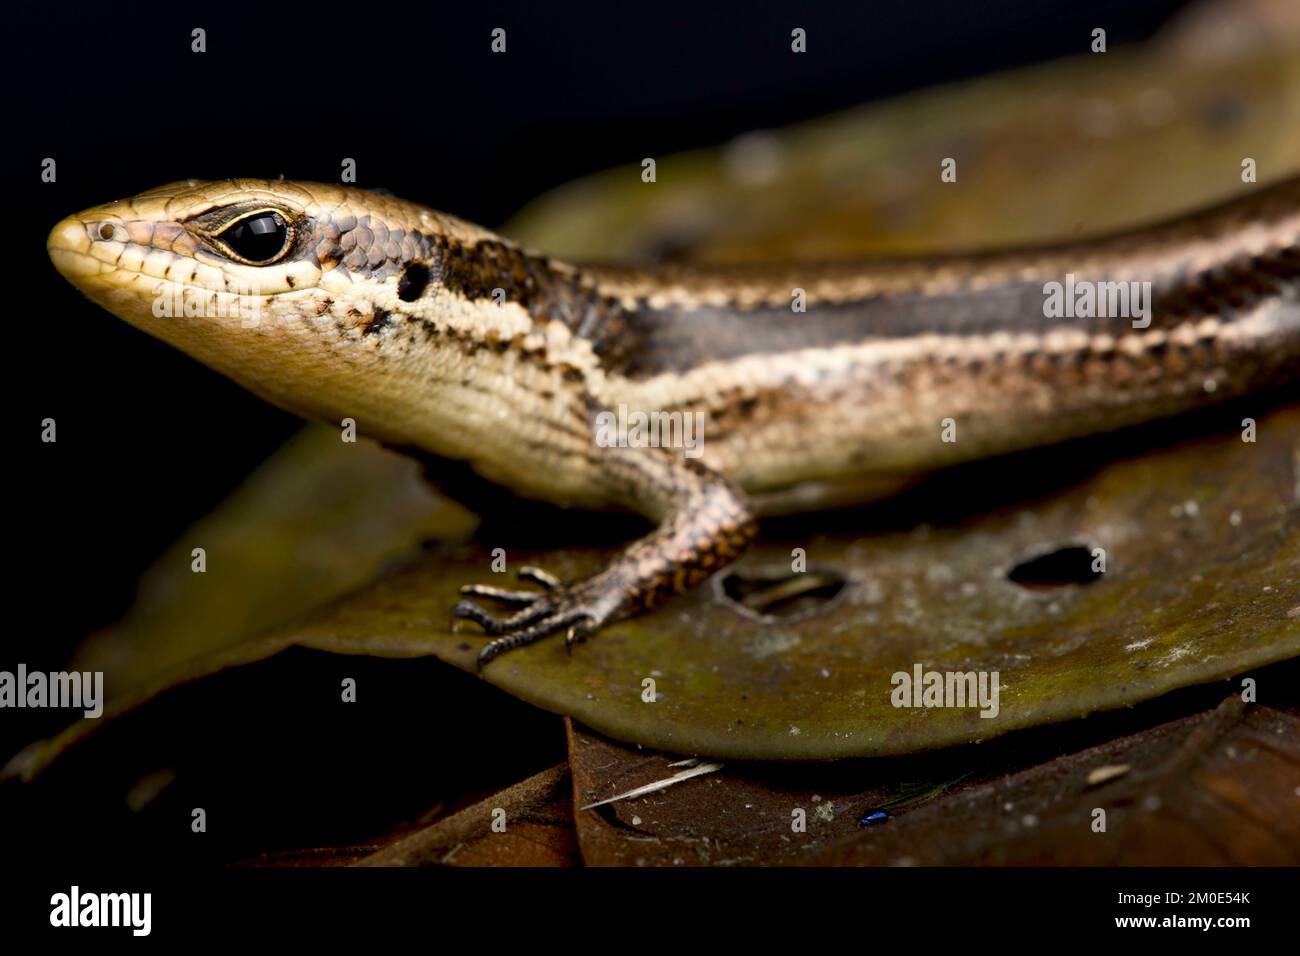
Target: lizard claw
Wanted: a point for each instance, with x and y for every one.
(576, 610)
(531, 602)
(504, 595)
(686, 548)
(469, 611)
(545, 578)
(577, 633)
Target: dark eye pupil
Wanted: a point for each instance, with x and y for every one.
(257, 238)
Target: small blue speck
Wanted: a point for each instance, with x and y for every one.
(872, 817)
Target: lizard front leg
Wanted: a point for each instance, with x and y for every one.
(703, 524)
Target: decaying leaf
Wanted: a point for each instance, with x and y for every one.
(1201, 544)
(734, 817)
(535, 820)
(694, 769)
(1213, 788)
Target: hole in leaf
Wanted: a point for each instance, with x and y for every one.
(781, 594)
(1070, 564)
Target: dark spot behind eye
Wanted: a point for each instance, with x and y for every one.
(413, 281)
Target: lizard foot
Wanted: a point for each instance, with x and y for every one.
(578, 609)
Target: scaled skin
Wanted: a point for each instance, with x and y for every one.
(436, 335)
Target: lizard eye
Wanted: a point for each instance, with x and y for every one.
(257, 239)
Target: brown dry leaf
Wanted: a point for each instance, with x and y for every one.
(538, 816)
(733, 817)
(1215, 789)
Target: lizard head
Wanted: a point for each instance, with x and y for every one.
(292, 289)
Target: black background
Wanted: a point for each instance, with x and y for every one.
(149, 440)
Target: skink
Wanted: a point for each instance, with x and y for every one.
(813, 384)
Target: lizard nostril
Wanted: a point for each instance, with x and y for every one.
(779, 594)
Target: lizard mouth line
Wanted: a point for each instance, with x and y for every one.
(77, 267)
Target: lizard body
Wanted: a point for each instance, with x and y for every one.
(437, 335)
